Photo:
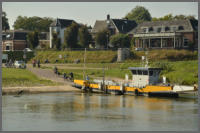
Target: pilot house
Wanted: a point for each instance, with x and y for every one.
(143, 76)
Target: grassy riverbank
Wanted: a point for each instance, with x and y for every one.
(111, 56)
(21, 77)
(177, 72)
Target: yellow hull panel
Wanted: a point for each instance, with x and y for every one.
(146, 89)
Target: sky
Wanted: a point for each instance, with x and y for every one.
(89, 12)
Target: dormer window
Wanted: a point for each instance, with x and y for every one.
(180, 28)
(167, 28)
(145, 30)
(151, 29)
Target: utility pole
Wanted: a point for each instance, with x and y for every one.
(84, 65)
(103, 81)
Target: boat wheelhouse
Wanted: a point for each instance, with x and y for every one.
(143, 76)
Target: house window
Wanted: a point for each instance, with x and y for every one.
(145, 30)
(7, 48)
(180, 28)
(186, 41)
(167, 28)
(151, 29)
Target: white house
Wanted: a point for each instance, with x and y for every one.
(58, 26)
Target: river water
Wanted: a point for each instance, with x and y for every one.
(97, 112)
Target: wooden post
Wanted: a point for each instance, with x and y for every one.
(84, 65)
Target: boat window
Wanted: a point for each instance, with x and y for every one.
(145, 73)
(150, 73)
(134, 72)
(139, 72)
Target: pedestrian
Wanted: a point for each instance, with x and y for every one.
(71, 76)
(55, 70)
(65, 76)
(38, 62)
(87, 77)
(33, 62)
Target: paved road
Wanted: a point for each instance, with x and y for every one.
(48, 74)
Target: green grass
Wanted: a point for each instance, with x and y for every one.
(180, 66)
(163, 54)
(179, 72)
(21, 77)
(91, 56)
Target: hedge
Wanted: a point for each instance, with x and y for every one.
(18, 55)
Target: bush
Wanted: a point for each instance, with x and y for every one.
(18, 55)
(120, 41)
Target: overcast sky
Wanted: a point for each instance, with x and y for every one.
(88, 12)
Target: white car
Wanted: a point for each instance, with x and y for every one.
(139, 49)
(20, 64)
(27, 50)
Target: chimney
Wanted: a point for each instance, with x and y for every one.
(108, 17)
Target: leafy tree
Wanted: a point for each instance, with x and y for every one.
(171, 17)
(33, 39)
(84, 36)
(101, 38)
(139, 14)
(132, 42)
(5, 24)
(120, 41)
(71, 36)
(56, 41)
(166, 17)
(33, 23)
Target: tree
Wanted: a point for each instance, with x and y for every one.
(139, 14)
(56, 41)
(171, 17)
(33, 39)
(71, 36)
(5, 24)
(33, 23)
(101, 38)
(120, 41)
(84, 36)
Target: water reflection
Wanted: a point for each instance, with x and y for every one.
(100, 112)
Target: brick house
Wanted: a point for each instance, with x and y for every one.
(166, 34)
(59, 26)
(114, 26)
(14, 40)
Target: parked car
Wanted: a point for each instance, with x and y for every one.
(27, 50)
(139, 49)
(20, 64)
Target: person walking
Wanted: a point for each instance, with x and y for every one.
(33, 62)
(38, 62)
